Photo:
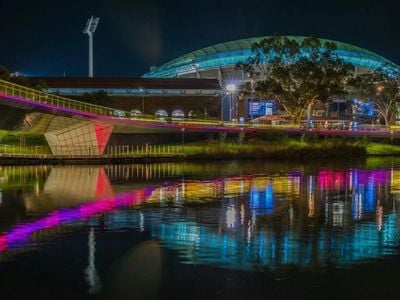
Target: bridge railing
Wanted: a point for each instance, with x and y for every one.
(111, 151)
(15, 90)
(22, 92)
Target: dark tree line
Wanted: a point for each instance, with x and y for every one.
(299, 73)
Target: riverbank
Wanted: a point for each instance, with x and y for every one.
(286, 149)
(203, 152)
(21, 148)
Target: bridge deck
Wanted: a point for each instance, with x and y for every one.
(27, 98)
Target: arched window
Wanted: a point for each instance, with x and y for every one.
(178, 114)
(135, 113)
(161, 114)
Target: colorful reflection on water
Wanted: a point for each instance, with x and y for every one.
(248, 220)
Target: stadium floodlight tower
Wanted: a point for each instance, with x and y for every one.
(90, 28)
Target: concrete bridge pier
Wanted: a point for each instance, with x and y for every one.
(67, 136)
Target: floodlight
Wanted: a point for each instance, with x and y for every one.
(91, 25)
(90, 28)
(231, 87)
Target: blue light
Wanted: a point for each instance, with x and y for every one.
(369, 205)
(262, 203)
(216, 59)
(269, 199)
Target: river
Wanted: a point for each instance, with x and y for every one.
(226, 230)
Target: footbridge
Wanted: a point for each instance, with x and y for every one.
(79, 128)
(84, 125)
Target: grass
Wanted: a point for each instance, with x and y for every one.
(289, 149)
(382, 149)
(17, 138)
(270, 146)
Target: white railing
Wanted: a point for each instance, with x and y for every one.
(112, 151)
(22, 92)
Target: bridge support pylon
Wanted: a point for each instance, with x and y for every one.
(67, 136)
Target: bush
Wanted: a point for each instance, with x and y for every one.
(222, 137)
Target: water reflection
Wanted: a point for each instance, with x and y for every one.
(92, 277)
(256, 218)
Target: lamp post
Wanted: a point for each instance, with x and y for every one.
(251, 99)
(141, 90)
(231, 88)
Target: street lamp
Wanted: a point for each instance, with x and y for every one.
(231, 88)
(251, 99)
(141, 90)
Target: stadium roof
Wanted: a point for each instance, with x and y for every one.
(229, 53)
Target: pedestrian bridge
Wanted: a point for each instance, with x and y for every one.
(77, 128)
(80, 125)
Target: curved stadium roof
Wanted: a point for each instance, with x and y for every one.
(229, 53)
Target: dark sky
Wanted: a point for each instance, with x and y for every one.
(44, 38)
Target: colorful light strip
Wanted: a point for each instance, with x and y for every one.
(22, 232)
(117, 120)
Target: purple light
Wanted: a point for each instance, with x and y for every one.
(125, 121)
(21, 233)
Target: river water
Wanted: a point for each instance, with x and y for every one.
(227, 230)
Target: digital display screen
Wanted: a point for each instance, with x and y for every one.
(258, 108)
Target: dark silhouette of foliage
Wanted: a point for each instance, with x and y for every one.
(297, 74)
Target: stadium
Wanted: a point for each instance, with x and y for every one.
(219, 61)
(197, 84)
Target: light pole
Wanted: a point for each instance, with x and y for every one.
(142, 91)
(90, 28)
(231, 88)
(251, 99)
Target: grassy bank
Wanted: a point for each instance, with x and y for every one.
(21, 138)
(290, 149)
(267, 146)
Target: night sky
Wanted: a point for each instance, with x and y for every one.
(44, 38)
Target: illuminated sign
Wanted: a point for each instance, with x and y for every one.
(258, 108)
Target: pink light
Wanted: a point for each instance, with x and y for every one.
(110, 119)
(22, 232)
(328, 179)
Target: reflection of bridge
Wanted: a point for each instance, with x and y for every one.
(234, 235)
(80, 128)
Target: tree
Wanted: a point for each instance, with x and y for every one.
(4, 73)
(100, 97)
(382, 90)
(297, 74)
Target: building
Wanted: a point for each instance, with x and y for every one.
(164, 97)
(218, 61)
